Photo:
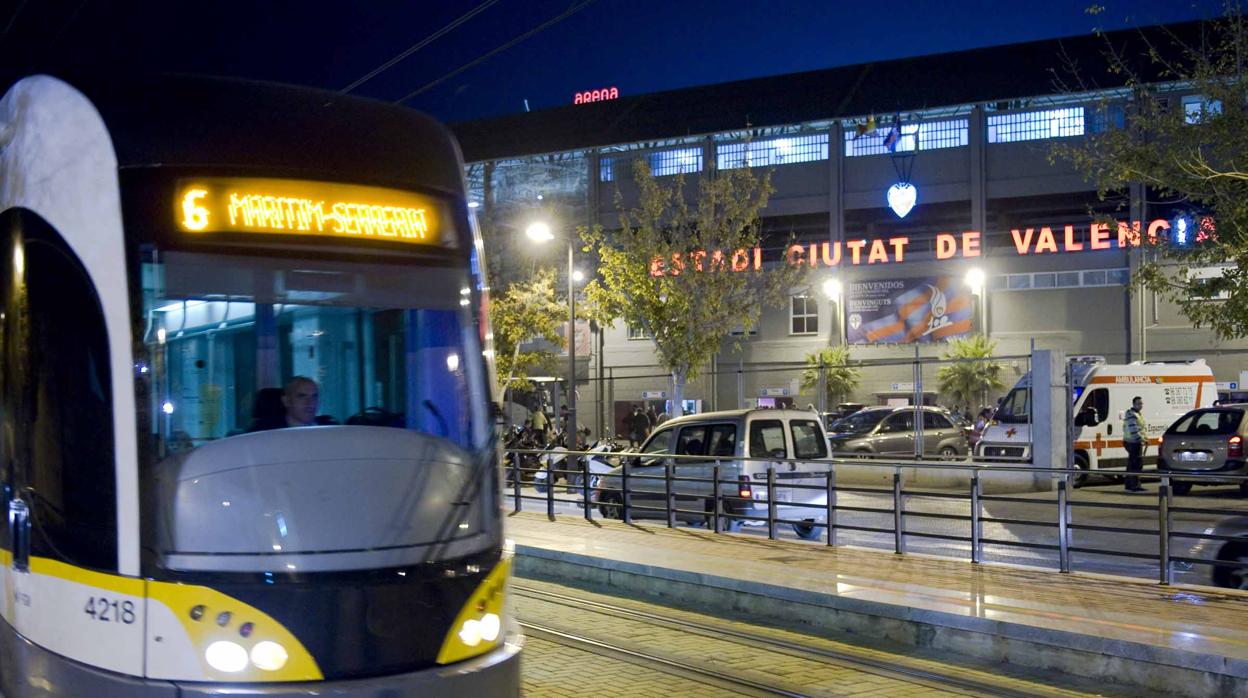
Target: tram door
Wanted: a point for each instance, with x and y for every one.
(58, 456)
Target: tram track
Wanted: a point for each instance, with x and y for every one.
(701, 674)
(725, 632)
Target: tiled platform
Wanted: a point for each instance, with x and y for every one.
(1173, 640)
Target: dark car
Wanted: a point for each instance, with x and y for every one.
(1207, 441)
(889, 431)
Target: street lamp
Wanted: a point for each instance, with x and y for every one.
(833, 288)
(975, 280)
(539, 232)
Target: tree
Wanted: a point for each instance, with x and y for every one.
(668, 270)
(832, 362)
(527, 311)
(972, 374)
(1192, 155)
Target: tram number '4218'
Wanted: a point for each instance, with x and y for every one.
(110, 610)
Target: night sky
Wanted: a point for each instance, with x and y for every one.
(639, 46)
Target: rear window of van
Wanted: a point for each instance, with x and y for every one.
(808, 440)
(767, 439)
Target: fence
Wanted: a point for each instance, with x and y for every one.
(607, 395)
(1063, 529)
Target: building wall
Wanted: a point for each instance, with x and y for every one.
(984, 186)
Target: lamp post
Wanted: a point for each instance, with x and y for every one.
(975, 280)
(832, 288)
(539, 232)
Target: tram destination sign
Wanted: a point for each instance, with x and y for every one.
(298, 207)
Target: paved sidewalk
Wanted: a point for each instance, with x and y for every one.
(1195, 636)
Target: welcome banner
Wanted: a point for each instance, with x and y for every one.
(906, 311)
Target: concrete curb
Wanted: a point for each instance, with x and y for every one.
(1129, 664)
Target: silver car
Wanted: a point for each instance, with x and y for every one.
(889, 431)
(744, 444)
(1210, 441)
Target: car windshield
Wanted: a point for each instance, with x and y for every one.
(244, 344)
(859, 422)
(1016, 406)
(1208, 422)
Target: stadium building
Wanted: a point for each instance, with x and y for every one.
(924, 188)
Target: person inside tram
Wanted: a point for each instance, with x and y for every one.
(292, 406)
(301, 398)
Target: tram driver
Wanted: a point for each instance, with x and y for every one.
(301, 398)
(297, 407)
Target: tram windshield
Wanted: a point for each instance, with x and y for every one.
(382, 345)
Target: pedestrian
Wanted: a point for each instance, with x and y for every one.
(638, 427)
(1135, 440)
(653, 417)
(540, 423)
(956, 414)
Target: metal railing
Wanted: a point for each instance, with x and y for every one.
(724, 493)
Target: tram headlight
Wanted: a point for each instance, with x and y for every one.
(490, 626)
(268, 655)
(479, 625)
(470, 632)
(225, 656)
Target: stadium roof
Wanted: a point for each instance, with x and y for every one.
(994, 74)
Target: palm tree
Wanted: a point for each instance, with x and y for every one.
(832, 362)
(972, 374)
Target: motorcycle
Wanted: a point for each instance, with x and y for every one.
(521, 438)
(601, 460)
(554, 460)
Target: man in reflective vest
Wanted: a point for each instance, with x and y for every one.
(1135, 440)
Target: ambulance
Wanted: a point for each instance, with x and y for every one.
(1102, 394)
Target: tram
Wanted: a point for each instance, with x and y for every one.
(247, 442)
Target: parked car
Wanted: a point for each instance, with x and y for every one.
(889, 431)
(1234, 550)
(791, 441)
(1209, 441)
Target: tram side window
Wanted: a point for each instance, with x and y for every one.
(65, 434)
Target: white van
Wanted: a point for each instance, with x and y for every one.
(1102, 394)
(791, 441)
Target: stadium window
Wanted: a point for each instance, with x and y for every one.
(1107, 117)
(1068, 279)
(1197, 108)
(1036, 125)
(635, 332)
(803, 315)
(929, 135)
(662, 163)
(1046, 280)
(773, 151)
(1118, 277)
(1094, 277)
(1019, 282)
(671, 162)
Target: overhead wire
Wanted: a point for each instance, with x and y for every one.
(12, 19)
(419, 45)
(477, 61)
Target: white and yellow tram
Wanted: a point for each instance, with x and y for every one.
(175, 251)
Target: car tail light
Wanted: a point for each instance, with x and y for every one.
(744, 488)
(1235, 447)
